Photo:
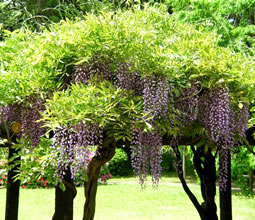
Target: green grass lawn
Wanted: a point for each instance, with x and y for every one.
(123, 199)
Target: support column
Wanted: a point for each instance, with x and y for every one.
(12, 195)
(226, 196)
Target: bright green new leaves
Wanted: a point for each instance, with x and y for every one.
(24, 70)
(150, 40)
(99, 103)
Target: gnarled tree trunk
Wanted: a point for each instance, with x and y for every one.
(204, 163)
(64, 199)
(105, 153)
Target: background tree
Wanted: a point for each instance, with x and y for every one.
(233, 20)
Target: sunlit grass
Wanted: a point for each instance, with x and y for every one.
(123, 199)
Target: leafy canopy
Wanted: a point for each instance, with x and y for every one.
(151, 41)
(97, 103)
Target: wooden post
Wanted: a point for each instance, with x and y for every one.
(184, 162)
(250, 172)
(226, 196)
(12, 195)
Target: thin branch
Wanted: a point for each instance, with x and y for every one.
(184, 184)
(186, 141)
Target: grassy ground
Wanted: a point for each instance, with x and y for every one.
(123, 199)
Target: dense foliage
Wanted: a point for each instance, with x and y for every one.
(242, 162)
(119, 165)
(38, 14)
(71, 91)
(133, 82)
(233, 20)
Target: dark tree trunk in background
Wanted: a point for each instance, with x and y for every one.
(105, 153)
(12, 195)
(191, 196)
(204, 163)
(225, 196)
(64, 199)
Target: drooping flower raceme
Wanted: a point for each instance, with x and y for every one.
(146, 155)
(75, 147)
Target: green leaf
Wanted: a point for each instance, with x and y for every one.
(3, 141)
(62, 186)
(240, 105)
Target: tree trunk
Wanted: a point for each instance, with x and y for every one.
(90, 194)
(225, 196)
(64, 199)
(191, 196)
(206, 171)
(104, 154)
(204, 163)
(12, 195)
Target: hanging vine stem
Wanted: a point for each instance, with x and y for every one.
(7, 132)
(187, 97)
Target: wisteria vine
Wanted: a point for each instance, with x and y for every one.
(74, 147)
(27, 116)
(83, 73)
(127, 80)
(30, 124)
(155, 95)
(225, 123)
(222, 121)
(10, 113)
(187, 104)
(146, 155)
